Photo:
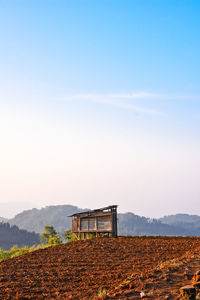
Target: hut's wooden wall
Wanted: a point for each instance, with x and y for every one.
(92, 224)
(104, 223)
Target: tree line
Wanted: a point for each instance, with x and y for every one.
(12, 235)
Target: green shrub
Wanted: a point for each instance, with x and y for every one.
(50, 236)
(68, 235)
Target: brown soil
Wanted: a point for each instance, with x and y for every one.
(124, 267)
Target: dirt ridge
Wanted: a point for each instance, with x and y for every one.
(82, 269)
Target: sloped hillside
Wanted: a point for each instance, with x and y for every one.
(83, 269)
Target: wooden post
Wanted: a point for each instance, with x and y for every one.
(114, 222)
(95, 223)
(95, 220)
(79, 224)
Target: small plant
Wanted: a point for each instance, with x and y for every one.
(175, 262)
(92, 235)
(160, 265)
(102, 293)
(127, 281)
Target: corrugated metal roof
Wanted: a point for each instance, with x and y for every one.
(94, 210)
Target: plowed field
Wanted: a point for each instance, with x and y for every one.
(79, 270)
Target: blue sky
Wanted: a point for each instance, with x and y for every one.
(100, 103)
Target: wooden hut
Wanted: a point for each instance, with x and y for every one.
(98, 222)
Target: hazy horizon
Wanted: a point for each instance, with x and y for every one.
(100, 105)
(19, 207)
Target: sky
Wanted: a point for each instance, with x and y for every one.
(100, 105)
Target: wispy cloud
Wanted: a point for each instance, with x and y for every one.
(130, 100)
(138, 95)
(120, 100)
(135, 95)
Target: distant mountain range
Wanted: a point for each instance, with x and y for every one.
(36, 219)
(25, 227)
(128, 223)
(190, 223)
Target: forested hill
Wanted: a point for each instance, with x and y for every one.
(36, 219)
(128, 223)
(188, 222)
(131, 224)
(180, 219)
(12, 235)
